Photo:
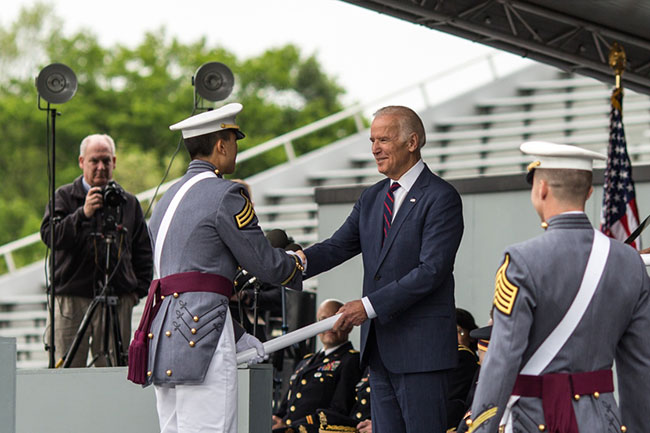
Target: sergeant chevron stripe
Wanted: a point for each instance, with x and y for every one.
(245, 216)
(505, 292)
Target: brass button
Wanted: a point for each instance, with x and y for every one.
(175, 295)
(169, 372)
(596, 394)
(544, 225)
(326, 360)
(149, 373)
(363, 401)
(193, 331)
(292, 408)
(368, 389)
(192, 344)
(359, 415)
(195, 318)
(304, 381)
(356, 398)
(541, 427)
(162, 297)
(468, 422)
(299, 395)
(150, 335)
(168, 333)
(576, 397)
(322, 380)
(288, 422)
(623, 428)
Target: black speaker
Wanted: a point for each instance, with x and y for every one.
(56, 83)
(213, 81)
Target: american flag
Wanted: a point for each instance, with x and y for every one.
(619, 216)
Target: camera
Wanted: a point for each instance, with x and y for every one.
(113, 196)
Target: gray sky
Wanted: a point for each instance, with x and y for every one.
(370, 54)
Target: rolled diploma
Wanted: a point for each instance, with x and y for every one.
(287, 340)
(646, 259)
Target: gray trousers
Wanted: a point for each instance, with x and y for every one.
(68, 315)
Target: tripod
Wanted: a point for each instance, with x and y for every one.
(106, 302)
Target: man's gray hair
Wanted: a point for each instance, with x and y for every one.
(409, 122)
(103, 137)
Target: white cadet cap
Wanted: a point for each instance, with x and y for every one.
(211, 121)
(558, 156)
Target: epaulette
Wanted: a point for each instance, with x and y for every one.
(462, 347)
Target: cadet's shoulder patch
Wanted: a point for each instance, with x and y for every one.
(505, 292)
(245, 216)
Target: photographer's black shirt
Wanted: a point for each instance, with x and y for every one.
(82, 244)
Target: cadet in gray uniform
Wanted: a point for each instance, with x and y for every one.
(203, 229)
(567, 304)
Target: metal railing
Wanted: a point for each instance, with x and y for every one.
(285, 141)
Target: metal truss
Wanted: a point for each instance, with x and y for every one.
(534, 30)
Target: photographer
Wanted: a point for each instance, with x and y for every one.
(91, 214)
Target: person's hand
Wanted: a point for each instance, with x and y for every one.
(365, 426)
(248, 341)
(277, 422)
(645, 251)
(303, 258)
(353, 314)
(94, 201)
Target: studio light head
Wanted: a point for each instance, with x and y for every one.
(56, 83)
(213, 81)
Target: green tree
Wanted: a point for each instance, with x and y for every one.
(134, 94)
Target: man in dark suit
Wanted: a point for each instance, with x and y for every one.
(408, 228)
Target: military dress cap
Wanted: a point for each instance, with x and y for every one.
(558, 156)
(481, 333)
(211, 121)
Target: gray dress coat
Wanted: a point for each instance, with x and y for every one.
(546, 272)
(215, 231)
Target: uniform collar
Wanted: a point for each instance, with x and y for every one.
(199, 165)
(569, 220)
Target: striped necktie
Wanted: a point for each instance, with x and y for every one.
(389, 200)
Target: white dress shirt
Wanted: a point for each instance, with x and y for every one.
(406, 183)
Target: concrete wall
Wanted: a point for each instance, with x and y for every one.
(101, 400)
(493, 220)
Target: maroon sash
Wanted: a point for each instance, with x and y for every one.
(176, 283)
(556, 391)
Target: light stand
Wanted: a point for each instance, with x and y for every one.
(56, 83)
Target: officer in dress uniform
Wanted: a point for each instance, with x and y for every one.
(567, 304)
(203, 229)
(323, 380)
(359, 417)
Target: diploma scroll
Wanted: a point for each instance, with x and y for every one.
(294, 337)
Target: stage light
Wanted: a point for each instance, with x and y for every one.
(56, 83)
(213, 81)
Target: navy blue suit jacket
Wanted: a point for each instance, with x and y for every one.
(409, 280)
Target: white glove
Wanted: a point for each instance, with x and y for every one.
(248, 341)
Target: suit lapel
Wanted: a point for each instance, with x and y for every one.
(410, 202)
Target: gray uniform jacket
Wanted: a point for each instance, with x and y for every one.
(214, 230)
(546, 272)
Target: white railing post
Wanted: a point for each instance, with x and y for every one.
(288, 149)
(11, 265)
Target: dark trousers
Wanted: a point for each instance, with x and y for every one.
(406, 402)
